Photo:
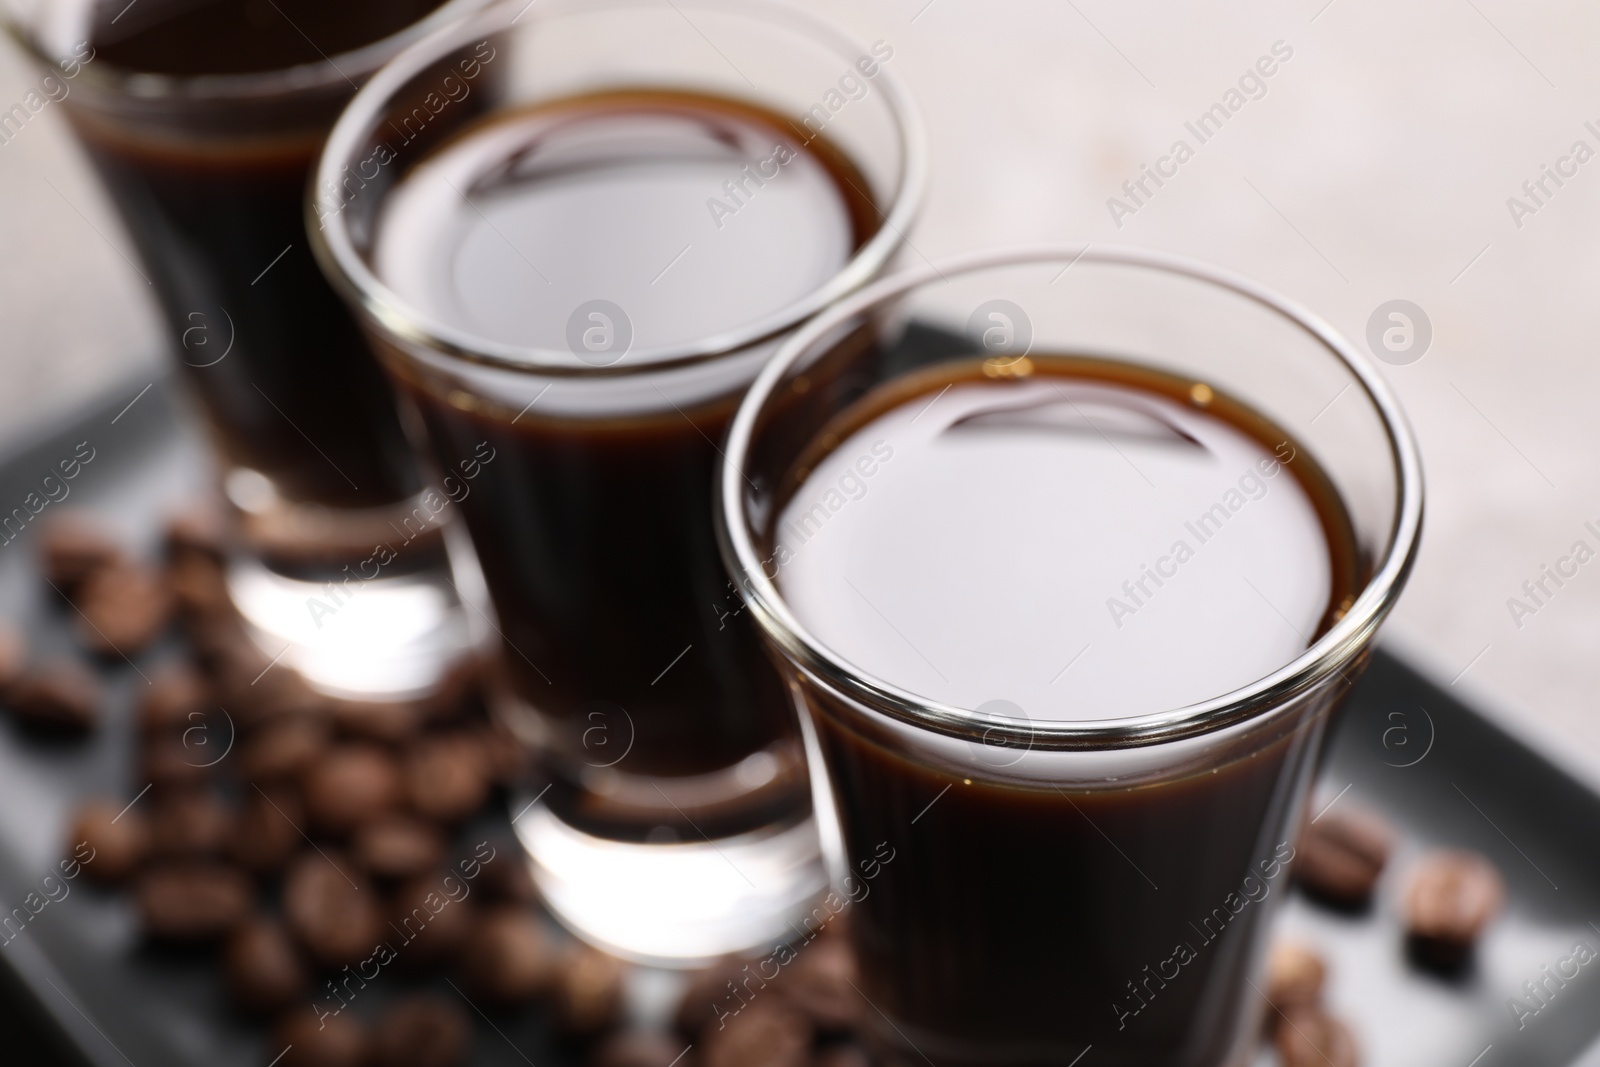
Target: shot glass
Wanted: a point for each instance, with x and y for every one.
(203, 121)
(1063, 763)
(571, 278)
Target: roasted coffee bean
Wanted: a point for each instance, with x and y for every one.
(643, 1048)
(171, 766)
(13, 656)
(199, 591)
(240, 672)
(589, 992)
(766, 1033)
(118, 840)
(709, 994)
(280, 695)
(176, 700)
(263, 968)
(197, 529)
(350, 786)
(1295, 974)
(1452, 896)
(365, 720)
(506, 877)
(248, 682)
(61, 697)
(398, 847)
(122, 610)
(508, 958)
(282, 750)
(433, 917)
(193, 901)
(508, 758)
(422, 1031)
(266, 835)
(73, 546)
(331, 911)
(819, 983)
(189, 825)
(447, 776)
(1341, 855)
(1312, 1038)
(458, 693)
(312, 1038)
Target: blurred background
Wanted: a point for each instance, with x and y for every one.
(1378, 164)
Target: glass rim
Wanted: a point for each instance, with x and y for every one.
(1330, 654)
(334, 71)
(332, 243)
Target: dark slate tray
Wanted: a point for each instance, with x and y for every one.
(76, 986)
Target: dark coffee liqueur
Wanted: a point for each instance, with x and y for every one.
(1061, 539)
(212, 208)
(593, 525)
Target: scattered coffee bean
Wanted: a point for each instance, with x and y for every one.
(13, 656)
(189, 825)
(1452, 896)
(589, 992)
(766, 1033)
(398, 847)
(432, 918)
(176, 699)
(265, 836)
(264, 970)
(73, 546)
(171, 766)
(1341, 856)
(247, 682)
(1312, 1038)
(225, 654)
(275, 697)
(506, 878)
(365, 720)
(320, 1040)
(709, 995)
(508, 958)
(122, 610)
(1295, 974)
(508, 758)
(351, 786)
(282, 695)
(193, 901)
(197, 529)
(61, 697)
(818, 983)
(459, 690)
(643, 1048)
(283, 749)
(422, 1031)
(330, 910)
(117, 839)
(200, 593)
(447, 777)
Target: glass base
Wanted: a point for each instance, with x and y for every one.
(388, 639)
(680, 904)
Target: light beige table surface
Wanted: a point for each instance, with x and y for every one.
(1378, 165)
